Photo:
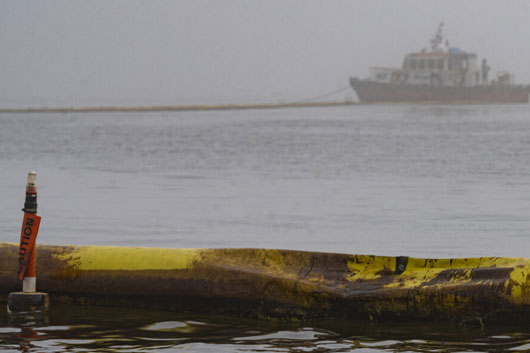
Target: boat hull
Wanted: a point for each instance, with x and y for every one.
(281, 284)
(375, 92)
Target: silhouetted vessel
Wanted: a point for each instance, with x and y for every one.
(442, 75)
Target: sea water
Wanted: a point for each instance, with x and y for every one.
(424, 181)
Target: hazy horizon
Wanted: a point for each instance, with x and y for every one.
(80, 53)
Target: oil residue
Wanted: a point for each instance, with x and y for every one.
(72, 328)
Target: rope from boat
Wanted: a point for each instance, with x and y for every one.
(325, 95)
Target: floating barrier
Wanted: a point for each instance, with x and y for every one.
(281, 284)
(157, 108)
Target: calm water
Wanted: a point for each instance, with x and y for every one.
(98, 329)
(425, 181)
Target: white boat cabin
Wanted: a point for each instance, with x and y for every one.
(442, 66)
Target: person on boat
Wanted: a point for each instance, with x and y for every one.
(485, 71)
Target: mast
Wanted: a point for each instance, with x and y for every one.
(437, 40)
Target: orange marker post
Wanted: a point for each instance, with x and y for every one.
(29, 300)
(30, 227)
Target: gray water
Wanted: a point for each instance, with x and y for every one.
(424, 181)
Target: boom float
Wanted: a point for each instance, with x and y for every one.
(282, 284)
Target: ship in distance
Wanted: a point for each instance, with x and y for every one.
(445, 74)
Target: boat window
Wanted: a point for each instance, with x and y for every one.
(431, 64)
(422, 64)
(440, 64)
(413, 64)
(382, 76)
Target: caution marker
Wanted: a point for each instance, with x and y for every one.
(29, 299)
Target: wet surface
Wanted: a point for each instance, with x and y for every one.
(68, 328)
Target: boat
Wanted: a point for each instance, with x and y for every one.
(271, 284)
(443, 74)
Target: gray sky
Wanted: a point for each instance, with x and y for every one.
(79, 53)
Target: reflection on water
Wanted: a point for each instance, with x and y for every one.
(69, 328)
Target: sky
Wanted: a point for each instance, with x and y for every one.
(139, 52)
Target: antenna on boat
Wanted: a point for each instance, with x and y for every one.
(438, 38)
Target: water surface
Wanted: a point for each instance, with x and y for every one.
(101, 329)
(424, 181)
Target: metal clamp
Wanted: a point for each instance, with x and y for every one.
(401, 264)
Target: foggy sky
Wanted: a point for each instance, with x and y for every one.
(82, 53)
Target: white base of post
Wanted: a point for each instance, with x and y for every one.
(29, 285)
